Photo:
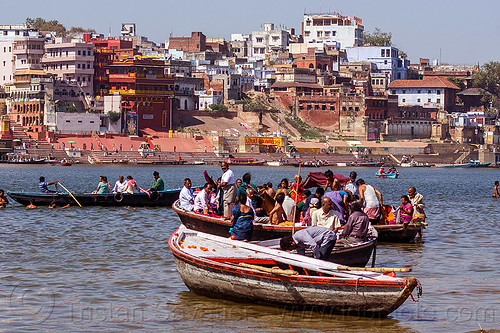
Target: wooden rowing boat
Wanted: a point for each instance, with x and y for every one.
(155, 199)
(220, 267)
(392, 175)
(394, 233)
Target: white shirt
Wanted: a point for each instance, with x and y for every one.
(120, 187)
(185, 197)
(289, 207)
(227, 177)
(329, 220)
(351, 187)
(201, 201)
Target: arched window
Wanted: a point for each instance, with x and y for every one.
(311, 66)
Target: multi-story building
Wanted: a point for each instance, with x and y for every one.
(241, 45)
(195, 43)
(385, 57)
(71, 62)
(147, 93)
(433, 92)
(329, 28)
(268, 40)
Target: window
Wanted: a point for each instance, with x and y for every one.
(438, 101)
(429, 91)
(385, 62)
(418, 91)
(382, 53)
(418, 100)
(429, 100)
(403, 91)
(78, 66)
(319, 33)
(323, 107)
(259, 39)
(334, 33)
(393, 92)
(403, 100)
(79, 52)
(307, 33)
(439, 92)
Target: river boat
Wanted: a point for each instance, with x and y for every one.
(24, 161)
(182, 162)
(478, 164)
(367, 164)
(394, 233)
(274, 163)
(65, 163)
(392, 175)
(154, 199)
(454, 165)
(219, 267)
(245, 161)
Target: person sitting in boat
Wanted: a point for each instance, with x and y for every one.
(381, 171)
(351, 185)
(393, 170)
(270, 190)
(283, 186)
(43, 185)
(120, 185)
(334, 195)
(301, 205)
(314, 205)
(202, 199)
(319, 240)
(255, 202)
(238, 183)
(417, 201)
(3, 199)
(318, 194)
(132, 186)
(103, 186)
(371, 199)
(158, 184)
(356, 228)
(496, 194)
(405, 210)
(242, 220)
(278, 215)
(326, 216)
(186, 197)
(245, 185)
(289, 207)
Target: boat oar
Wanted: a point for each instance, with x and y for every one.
(273, 270)
(296, 197)
(70, 194)
(373, 269)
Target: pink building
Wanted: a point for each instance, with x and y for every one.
(71, 62)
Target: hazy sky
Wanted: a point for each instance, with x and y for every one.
(466, 32)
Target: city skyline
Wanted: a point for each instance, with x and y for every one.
(453, 31)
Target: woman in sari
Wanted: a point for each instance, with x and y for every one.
(405, 210)
(242, 217)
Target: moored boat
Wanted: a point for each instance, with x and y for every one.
(154, 199)
(467, 165)
(245, 161)
(367, 164)
(220, 267)
(397, 233)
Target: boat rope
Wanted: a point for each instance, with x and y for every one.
(357, 281)
(419, 292)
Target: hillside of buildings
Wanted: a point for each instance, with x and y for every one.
(271, 90)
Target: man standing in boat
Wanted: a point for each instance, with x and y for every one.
(228, 187)
(319, 240)
(372, 200)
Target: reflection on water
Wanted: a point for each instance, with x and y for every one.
(94, 268)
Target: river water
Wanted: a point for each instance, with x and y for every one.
(110, 269)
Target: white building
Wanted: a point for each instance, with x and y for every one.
(71, 62)
(269, 40)
(385, 57)
(71, 122)
(328, 28)
(208, 97)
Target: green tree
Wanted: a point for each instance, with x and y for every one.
(457, 81)
(488, 78)
(41, 24)
(377, 38)
(114, 116)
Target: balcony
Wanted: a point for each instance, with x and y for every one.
(48, 59)
(27, 51)
(141, 92)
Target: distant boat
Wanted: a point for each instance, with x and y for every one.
(468, 165)
(393, 175)
(28, 161)
(274, 163)
(244, 161)
(367, 164)
(65, 163)
(478, 164)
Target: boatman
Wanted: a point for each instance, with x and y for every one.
(319, 240)
(43, 185)
(228, 187)
(158, 184)
(186, 196)
(357, 226)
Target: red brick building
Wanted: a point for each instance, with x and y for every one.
(196, 43)
(313, 60)
(146, 92)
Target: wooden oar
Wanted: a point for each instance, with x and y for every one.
(70, 194)
(296, 197)
(373, 269)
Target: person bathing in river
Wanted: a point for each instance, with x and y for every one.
(496, 194)
(3, 199)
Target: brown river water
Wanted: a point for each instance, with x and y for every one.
(110, 269)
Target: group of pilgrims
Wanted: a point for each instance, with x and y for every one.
(340, 210)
